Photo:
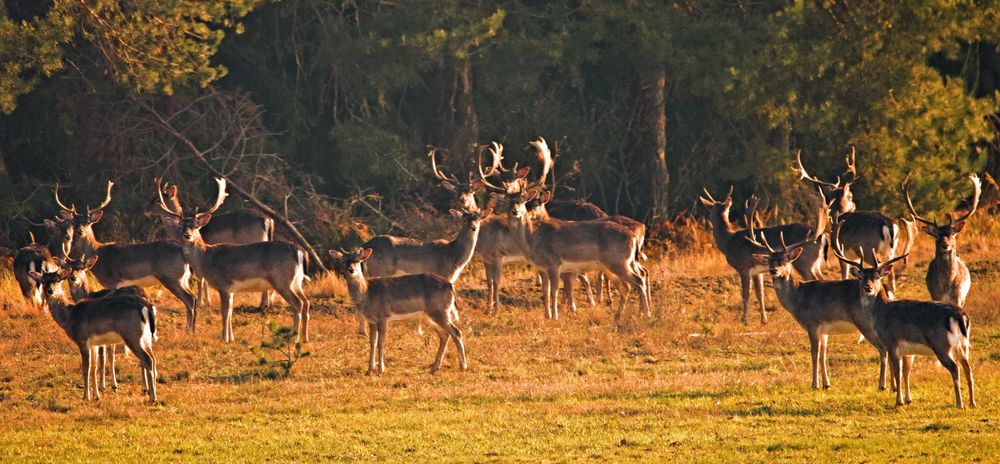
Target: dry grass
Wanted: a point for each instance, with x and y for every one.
(689, 384)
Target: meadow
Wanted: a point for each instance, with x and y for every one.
(690, 384)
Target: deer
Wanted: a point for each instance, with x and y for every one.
(237, 227)
(79, 290)
(463, 193)
(948, 278)
(910, 327)
(428, 297)
(732, 242)
(121, 265)
(859, 230)
(556, 247)
(93, 323)
(33, 257)
(254, 267)
(821, 307)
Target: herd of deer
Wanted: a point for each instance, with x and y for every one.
(898, 329)
(392, 278)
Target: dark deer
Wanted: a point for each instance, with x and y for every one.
(120, 265)
(240, 227)
(427, 297)
(733, 244)
(93, 323)
(255, 267)
(908, 327)
(33, 257)
(948, 278)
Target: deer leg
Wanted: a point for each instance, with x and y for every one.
(114, 376)
(814, 347)
(372, 337)
(745, 295)
(553, 291)
(897, 372)
(102, 362)
(568, 279)
(85, 360)
(442, 344)
(546, 295)
(494, 272)
(825, 342)
(148, 364)
(967, 367)
(383, 327)
(456, 334)
(182, 291)
(265, 301)
(226, 305)
(907, 367)
(944, 357)
(297, 305)
(585, 281)
(882, 365)
(758, 284)
(306, 306)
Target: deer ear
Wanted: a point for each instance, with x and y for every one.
(59, 261)
(35, 275)
(172, 191)
(365, 254)
(855, 272)
(455, 213)
(477, 185)
(485, 213)
(546, 197)
(885, 270)
(448, 186)
(91, 261)
(795, 253)
(531, 195)
(203, 219)
(958, 227)
(929, 230)
(65, 273)
(96, 216)
(65, 216)
(760, 258)
(523, 172)
(49, 223)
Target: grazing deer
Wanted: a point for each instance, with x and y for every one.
(733, 244)
(255, 267)
(909, 327)
(380, 300)
(821, 307)
(556, 247)
(121, 265)
(79, 290)
(33, 257)
(948, 278)
(239, 227)
(859, 230)
(93, 323)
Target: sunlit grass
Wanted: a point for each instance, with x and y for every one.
(691, 384)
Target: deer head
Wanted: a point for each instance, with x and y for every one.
(837, 194)
(463, 193)
(944, 235)
(190, 225)
(82, 223)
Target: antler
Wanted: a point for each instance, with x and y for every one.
(107, 199)
(437, 173)
(909, 203)
(750, 208)
(545, 156)
(851, 167)
(497, 153)
(977, 190)
(838, 251)
(59, 203)
(163, 203)
(219, 199)
(797, 167)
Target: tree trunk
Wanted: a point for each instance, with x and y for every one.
(467, 111)
(657, 96)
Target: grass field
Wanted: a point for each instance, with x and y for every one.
(689, 384)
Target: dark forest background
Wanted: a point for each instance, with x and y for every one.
(324, 109)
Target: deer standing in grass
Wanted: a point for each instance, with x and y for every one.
(419, 296)
(255, 267)
(909, 327)
(93, 323)
(858, 230)
(241, 227)
(33, 257)
(821, 307)
(141, 264)
(733, 243)
(948, 277)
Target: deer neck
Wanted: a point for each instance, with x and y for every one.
(522, 231)
(949, 258)
(722, 230)
(786, 287)
(872, 303)
(358, 288)
(464, 245)
(86, 244)
(80, 291)
(59, 308)
(196, 253)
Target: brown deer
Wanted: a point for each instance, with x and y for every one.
(239, 227)
(908, 327)
(418, 296)
(556, 247)
(255, 267)
(463, 193)
(948, 278)
(33, 257)
(120, 265)
(821, 307)
(93, 323)
(733, 244)
(859, 230)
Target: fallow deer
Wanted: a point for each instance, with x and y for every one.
(556, 247)
(97, 322)
(240, 227)
(733, 244)
(948, 278)
(120, 265)
(821, 307)
(380, 300)
(255, 267)
(33, 257)
(463, 193)
(909, 327)
(859, 230)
